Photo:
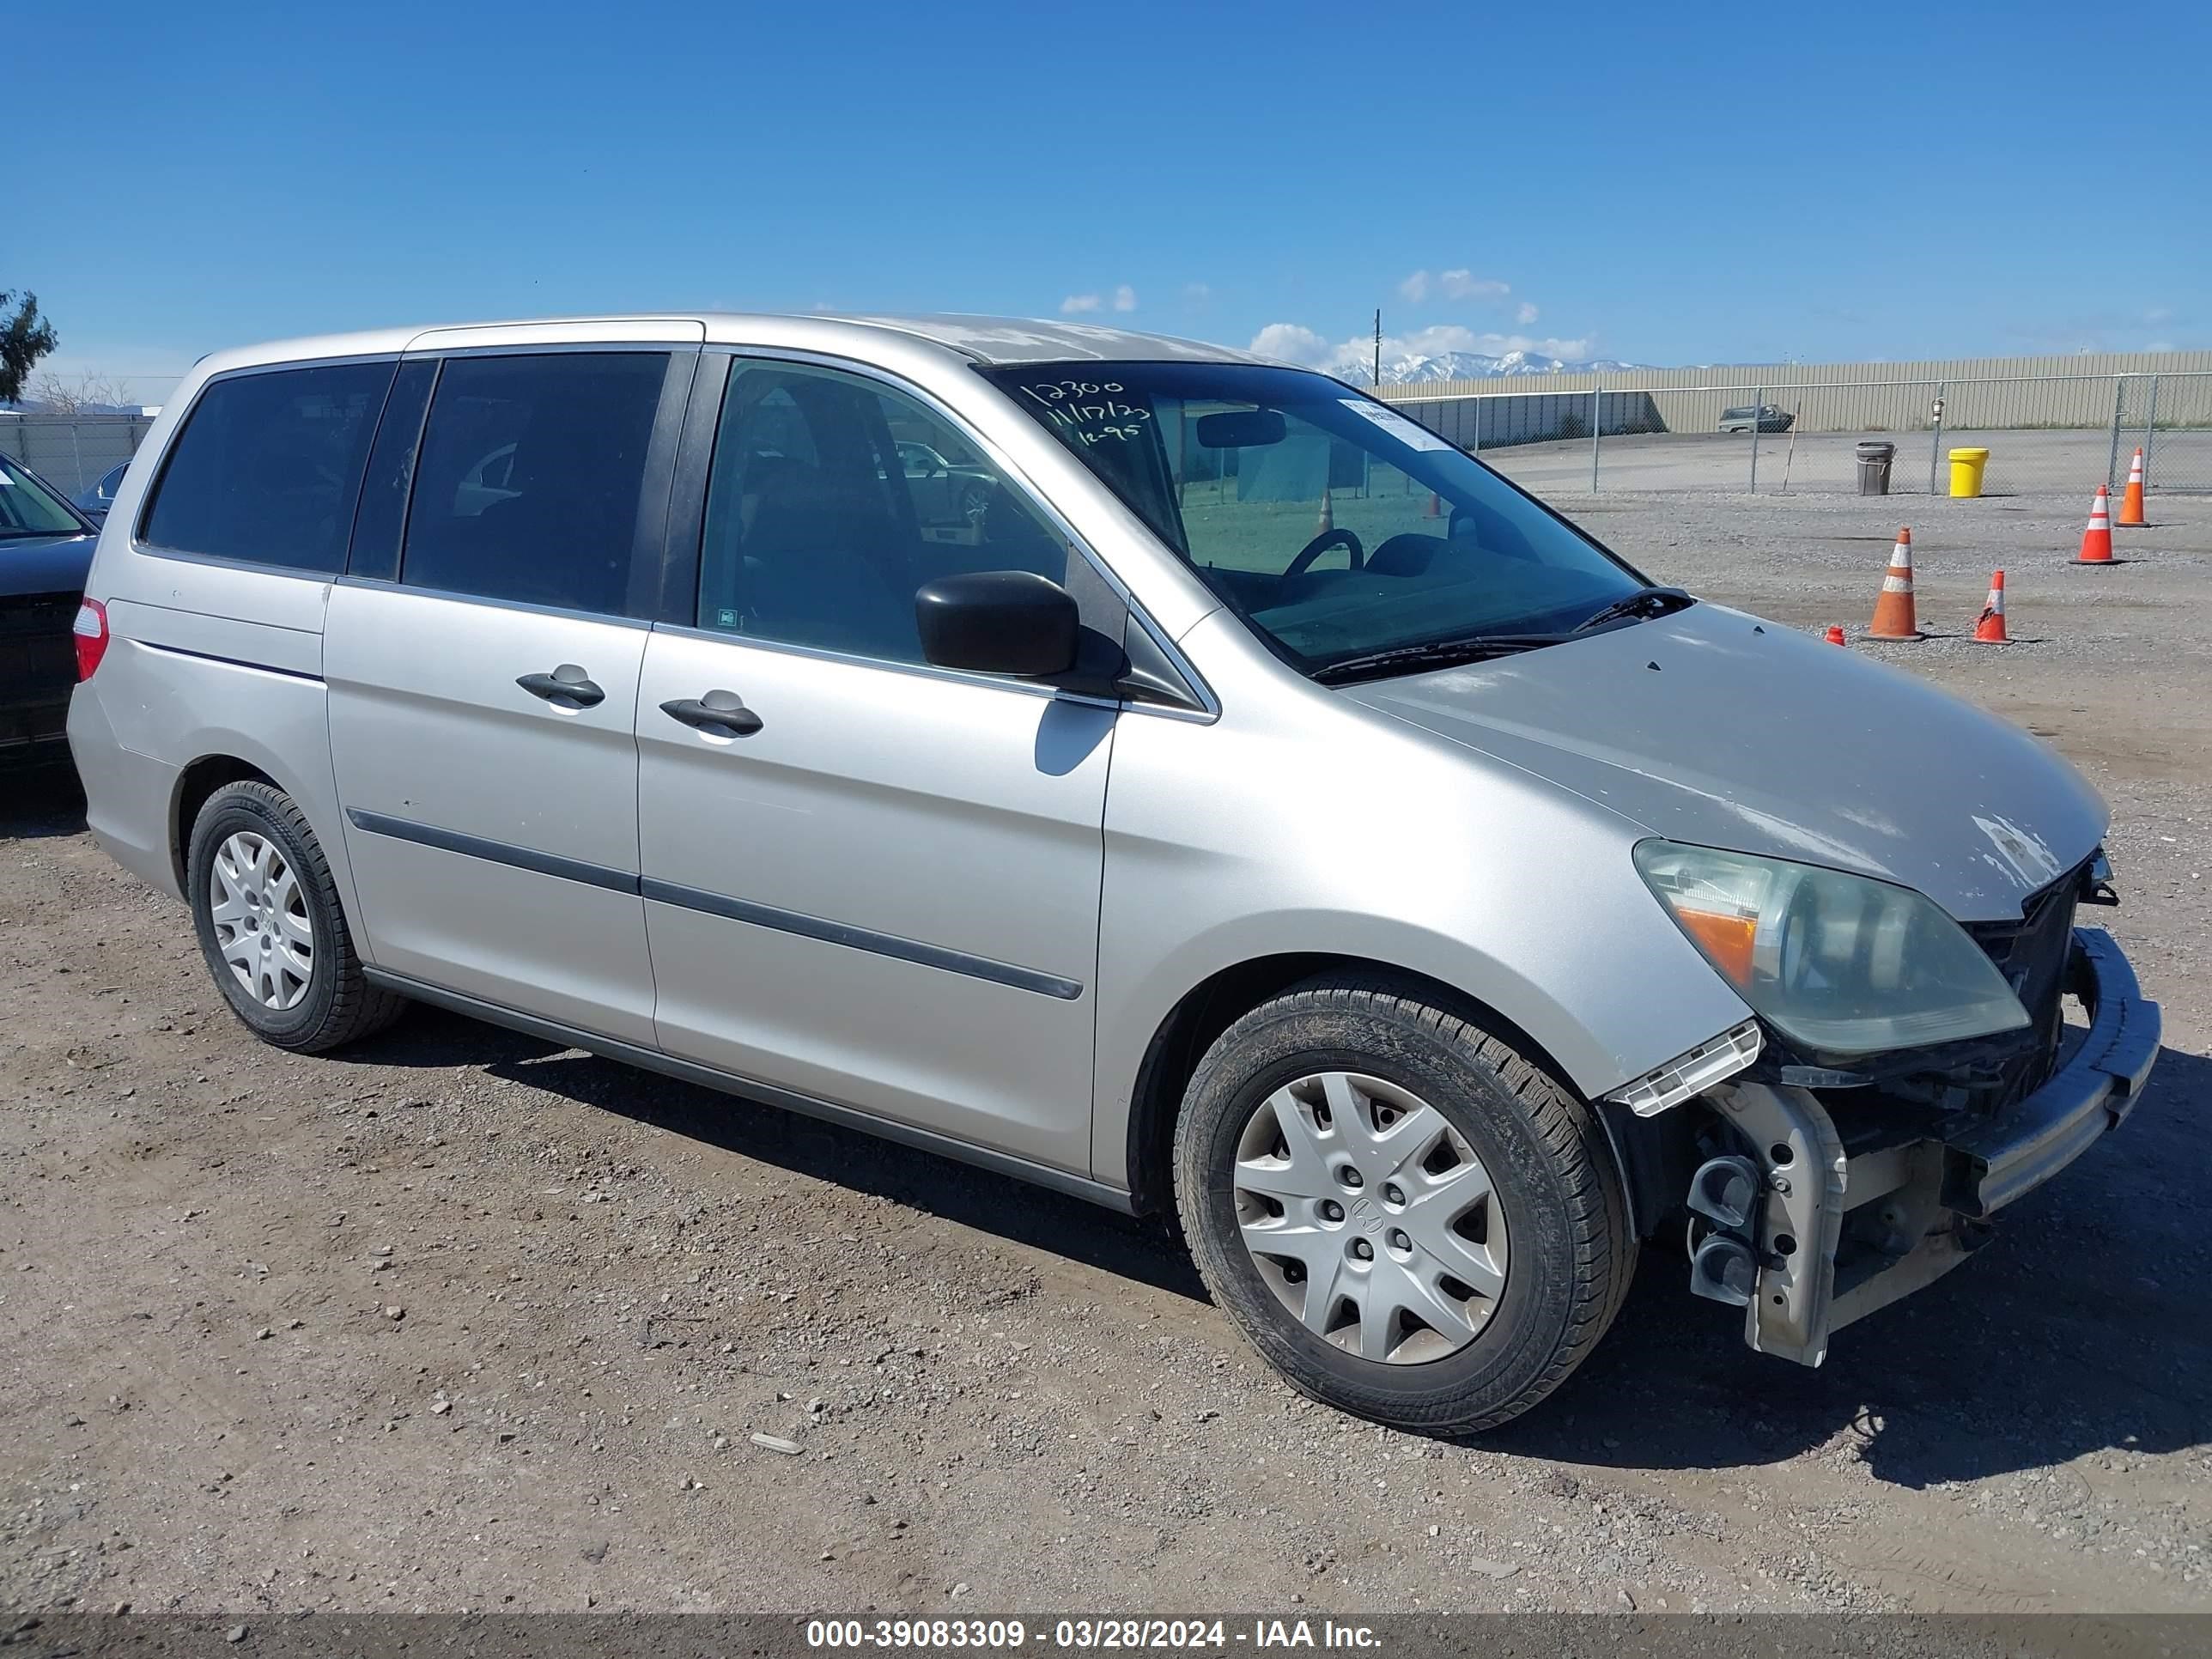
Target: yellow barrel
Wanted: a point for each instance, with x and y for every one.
(1966, 466)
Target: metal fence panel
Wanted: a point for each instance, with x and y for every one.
(2061, 434)
(1815, 451)
(2101, 365)
(2170, 416)
(2046, 434)
(72, 451)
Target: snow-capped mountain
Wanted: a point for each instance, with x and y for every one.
(1417, 369)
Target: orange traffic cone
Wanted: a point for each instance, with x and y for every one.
(1835, 636)
(1894, 617)
(2097, 539)
(1989, 627)
(2131, 504)
(1327, 518)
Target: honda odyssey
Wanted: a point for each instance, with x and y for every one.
(1233, 804)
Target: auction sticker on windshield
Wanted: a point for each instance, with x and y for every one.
(1405, 431)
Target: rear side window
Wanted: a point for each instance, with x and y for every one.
(268, 467)
(529, 480)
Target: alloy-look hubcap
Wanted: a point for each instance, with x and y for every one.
(261, 923)
(1370, 1218)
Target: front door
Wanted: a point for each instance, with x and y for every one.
(482, 705)
(866, 879)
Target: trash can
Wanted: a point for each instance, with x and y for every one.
(1966, 466)
(1873, 467)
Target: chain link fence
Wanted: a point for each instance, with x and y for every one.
(72, 451)
(2045, 435)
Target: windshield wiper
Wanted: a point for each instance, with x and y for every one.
(1643, 602)
(1431, 654)
(1475, 648)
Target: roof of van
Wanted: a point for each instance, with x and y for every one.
(989, 340)
(1029, 340)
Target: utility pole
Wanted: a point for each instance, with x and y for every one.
(1379, 347)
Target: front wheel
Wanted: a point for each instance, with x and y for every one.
(1411, 1220)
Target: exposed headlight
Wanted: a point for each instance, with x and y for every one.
(1843, 964)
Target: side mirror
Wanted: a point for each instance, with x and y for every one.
(998, 621)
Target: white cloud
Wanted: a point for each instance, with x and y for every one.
(1353, 359)
(2160, 345)
(1123, 298)
(1196, 294)
(1460, 284)
(1450, 337)
(1466, 285)
(1525, 314)
(1294, 344)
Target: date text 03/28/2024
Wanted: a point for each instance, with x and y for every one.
(1199, 1635)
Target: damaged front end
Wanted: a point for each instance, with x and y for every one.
(1829, 1189)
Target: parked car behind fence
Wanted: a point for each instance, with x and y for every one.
(1767, 417)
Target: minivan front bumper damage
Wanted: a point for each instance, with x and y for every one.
(1839, 1235)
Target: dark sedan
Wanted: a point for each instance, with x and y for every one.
(46, 548)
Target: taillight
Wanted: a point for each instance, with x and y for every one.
(90, 630)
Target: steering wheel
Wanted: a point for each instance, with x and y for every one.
(1321, 545)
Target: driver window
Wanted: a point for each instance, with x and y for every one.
(834, 497)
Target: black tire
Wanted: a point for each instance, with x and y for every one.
(339, 1003)
(1551, 1166)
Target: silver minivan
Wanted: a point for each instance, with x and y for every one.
(1200, 788)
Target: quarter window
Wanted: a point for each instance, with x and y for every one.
(268, 467)
(529, 479)
(834, 498)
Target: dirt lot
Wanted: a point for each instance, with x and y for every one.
(455, 1321)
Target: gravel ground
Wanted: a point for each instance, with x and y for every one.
(455, 1320)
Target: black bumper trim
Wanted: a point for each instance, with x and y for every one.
(1990, 1164)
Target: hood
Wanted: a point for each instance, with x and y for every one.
(44, 564)
(1712, 728)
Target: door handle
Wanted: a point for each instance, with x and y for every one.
(718, 714)
(567, 684)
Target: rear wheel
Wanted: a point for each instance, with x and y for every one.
(1408, 1217)
(270, 925)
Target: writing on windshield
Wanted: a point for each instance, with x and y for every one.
(1088, 411)
(1337, 527)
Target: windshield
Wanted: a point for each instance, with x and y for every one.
(28, 507)
(1337, 527)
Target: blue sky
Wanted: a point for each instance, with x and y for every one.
(1662, 184)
